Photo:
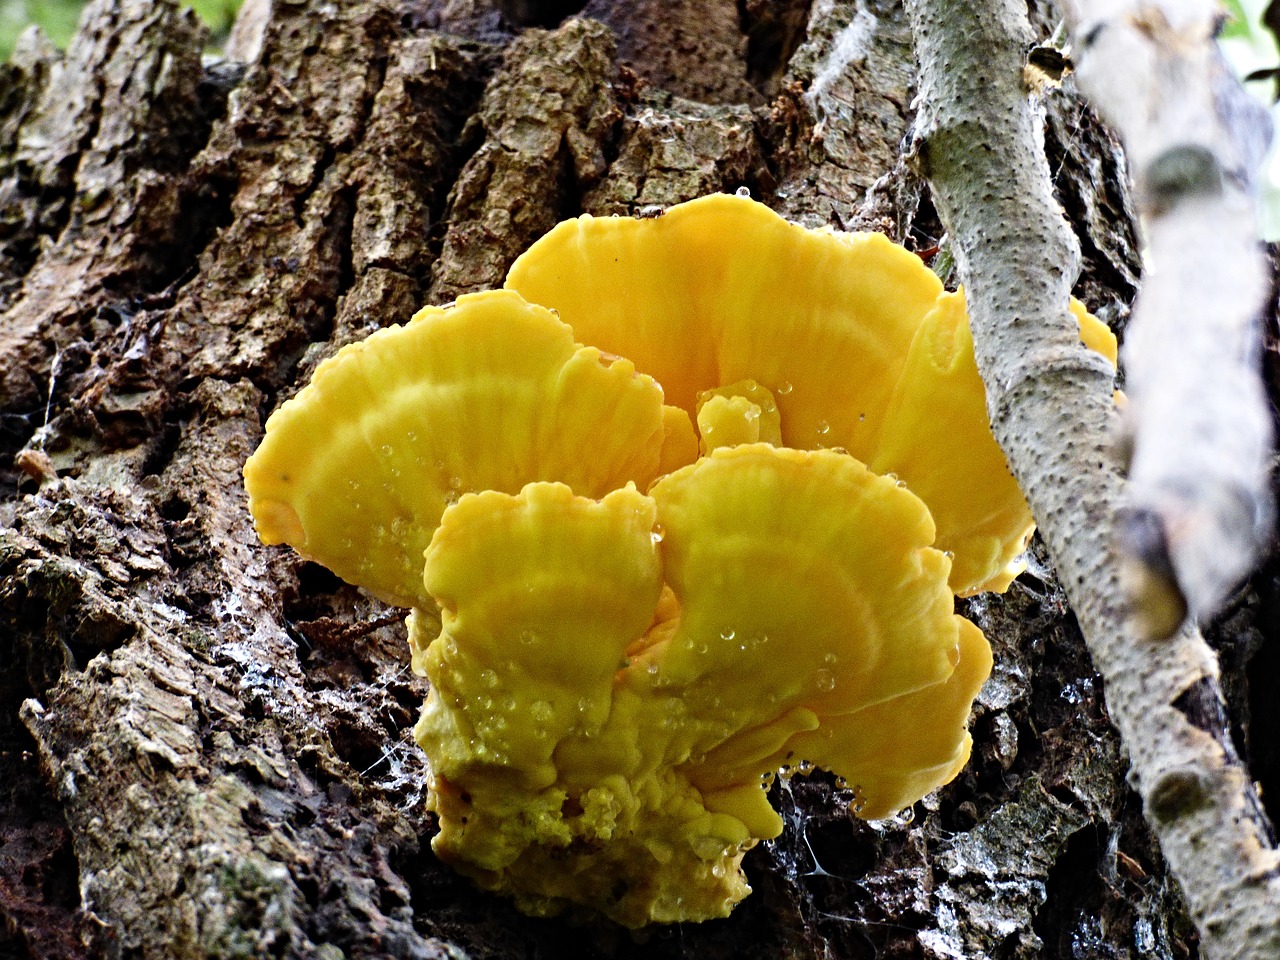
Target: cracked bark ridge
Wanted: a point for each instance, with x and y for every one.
(980, 144)
(843, 110)
(90, 168)
(209, 739)
(543, 124)
(695, 49)
(671, 150)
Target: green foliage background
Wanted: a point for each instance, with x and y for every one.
(1251, 46)
(58, 18)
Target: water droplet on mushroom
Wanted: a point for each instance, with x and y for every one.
(489, 678)
(823, 428)
(658, 533)
(825, 680)
(527, 637)
(859, 801)
(727, 634)
(784, 388)
(386, 450)
(743, 192)
(541, 711)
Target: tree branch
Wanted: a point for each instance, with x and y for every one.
(980, 144)
(1198, 500)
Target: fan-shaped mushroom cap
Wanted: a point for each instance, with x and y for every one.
(489, 393)
(845, 333)
(592, 730)
(722, 289)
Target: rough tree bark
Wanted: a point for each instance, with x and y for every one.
(204, 743)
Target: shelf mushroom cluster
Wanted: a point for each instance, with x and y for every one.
(688, 501)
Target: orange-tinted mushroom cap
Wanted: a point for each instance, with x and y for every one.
(487, 394)
(895, 752)
(722, 289)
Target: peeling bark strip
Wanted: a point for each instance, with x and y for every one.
(1051, 411)
(1198, 497)
(204, 744)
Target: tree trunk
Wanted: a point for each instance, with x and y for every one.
(205, 743)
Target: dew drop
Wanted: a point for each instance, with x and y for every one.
(489, 678)
(823, 428)
(386, 450)
(658, 533)
(830, 659)
(527, 637)
(541, 711)
(784, 388)
(727, 634)
(825, 680)
(859, 801)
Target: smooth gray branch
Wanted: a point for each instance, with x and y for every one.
(979, 137)
(1198, 502)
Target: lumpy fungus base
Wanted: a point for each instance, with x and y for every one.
(688, 501)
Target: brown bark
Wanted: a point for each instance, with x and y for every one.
(204, 743)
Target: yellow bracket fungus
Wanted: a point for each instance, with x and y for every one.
(722, 537)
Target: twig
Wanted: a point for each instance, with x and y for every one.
(980, 144)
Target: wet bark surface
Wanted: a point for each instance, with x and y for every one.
(205, 744)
